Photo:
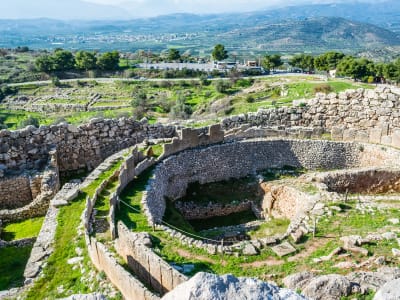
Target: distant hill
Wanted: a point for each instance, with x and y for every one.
(249, 32)
(318, 33)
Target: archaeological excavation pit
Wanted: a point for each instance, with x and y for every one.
(185, 181)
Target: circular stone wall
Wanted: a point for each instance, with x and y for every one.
(238, 159)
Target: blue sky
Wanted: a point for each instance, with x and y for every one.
(117, 9)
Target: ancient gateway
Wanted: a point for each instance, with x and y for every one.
(352, 136)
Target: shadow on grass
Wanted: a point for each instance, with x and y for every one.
(12, 265)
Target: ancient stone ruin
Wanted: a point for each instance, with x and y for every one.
(361, 156)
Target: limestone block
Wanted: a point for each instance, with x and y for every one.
(396, 138)
(337, 133)
(375, 135)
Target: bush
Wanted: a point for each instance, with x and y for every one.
(250, 99)
(181, 110)
(55, 81)
(222, 86)
(322, 88)
(29, 121)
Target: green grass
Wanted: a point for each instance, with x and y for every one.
(24, 229)
(270, 228)
(132, 195)
(12, 266)
(57, 271)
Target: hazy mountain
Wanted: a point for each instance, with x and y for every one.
(314, 33)
(314, 28)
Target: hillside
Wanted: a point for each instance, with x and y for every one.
(199, 34)
(315, 34)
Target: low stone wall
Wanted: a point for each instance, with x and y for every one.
(232, 160)
(18, 243)
(193, 211)
(130, 287)
(48, 182)
(9, 197)
(85, 146)
(148, 266)
(357, 109)
(192, 138)
(364, 181)
(102, 258)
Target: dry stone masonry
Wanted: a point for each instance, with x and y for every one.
(31, 159)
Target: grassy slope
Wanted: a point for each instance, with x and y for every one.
(57, 272)
(12, 266)
(161, 96)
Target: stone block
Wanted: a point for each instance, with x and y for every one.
(396, 138)
(349, 134)
(375, 135)
(283, 249)
(337, 133)
(362, 136)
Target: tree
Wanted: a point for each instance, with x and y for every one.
(181, 110)
(356, 68)
(219, 53)
(173, 54)
(63, 60)
(222, 86)
(328, 61)
(302, 61)
(85, 60)
(109, 61)
(44, 63)
(271, 62)
(139, 104)
(391, 71)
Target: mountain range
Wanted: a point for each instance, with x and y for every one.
(349, 27)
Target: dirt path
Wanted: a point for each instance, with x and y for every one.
(310, 247)
(262, 263)
(187, 254)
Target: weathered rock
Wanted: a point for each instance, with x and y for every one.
(249, 249)
(205, 286)
(374, 280)
(94, 296)
(389, 291)
(283, 249)
(297, 235)
(389, 235)
(396, 252)
(328, 287)
(394, 221)
(298, 281)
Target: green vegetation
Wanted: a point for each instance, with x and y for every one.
(132, 196)
(270, 228)
(164, 99)
(24, 229)
(12, 266)
(329, 231)
(58, 272)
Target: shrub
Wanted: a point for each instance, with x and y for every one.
(322, 88)
(29, 121)
(55, 81)
(222, 86)
(250, 99)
